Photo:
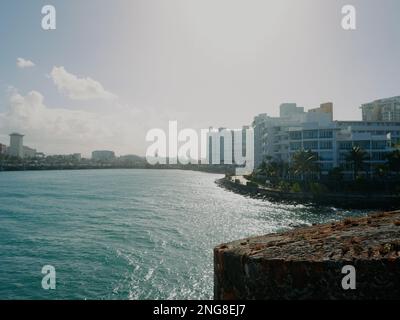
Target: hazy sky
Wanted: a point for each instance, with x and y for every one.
(115, 69)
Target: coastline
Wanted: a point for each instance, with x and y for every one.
(340, 200)
(80, 168)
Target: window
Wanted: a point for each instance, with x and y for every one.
(310, 145)
(362, 144)
(326, 156)
(378, 145)
(378, 156)
(327, 166)
(325, 145)
(343, 156)
(347, 145)
(295, 135)
(310, 134)
(325, 134)
(295, 145)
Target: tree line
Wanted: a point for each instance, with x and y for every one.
(305, 165)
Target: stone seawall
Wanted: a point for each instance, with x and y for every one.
(340, 200)
(306, 263)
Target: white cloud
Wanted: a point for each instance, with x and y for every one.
(22, 63)
(62, 130)
(78, 88)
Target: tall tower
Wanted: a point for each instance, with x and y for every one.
(16, 145)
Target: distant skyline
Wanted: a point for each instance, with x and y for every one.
(111, 71)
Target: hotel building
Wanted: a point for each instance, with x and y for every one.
(16, 148)
(103, 155)
(382, 110)
(279, 138)
(229, 146)
(3, 149)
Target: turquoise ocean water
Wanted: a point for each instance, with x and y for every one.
(126, 234)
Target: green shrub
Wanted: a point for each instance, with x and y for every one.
(316, 187)
(284, 186)
(252, 184)
(296, 187)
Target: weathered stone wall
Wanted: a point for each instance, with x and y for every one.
(306, 263)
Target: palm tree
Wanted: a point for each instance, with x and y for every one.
(393, 159)
(356, 157)
(336, 174)
(278, 169)
(381, 170)
(272, 168)
(304, 163)
(263, 168)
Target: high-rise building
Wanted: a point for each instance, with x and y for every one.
(279, 138)
(382, 110)
(332, 143)
(103, 155)
(219, 146)
(16, 148)
(269, 132)
(229, 146)
(290, 110)
(258, 126)
(3, 149)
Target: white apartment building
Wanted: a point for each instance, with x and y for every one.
(103, 155)
(279, 138)
(382, 110)
(332, 143)
(271, 133)
(3, 149)
(227, 146)
(16, 148)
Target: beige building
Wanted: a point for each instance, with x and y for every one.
(324, 108)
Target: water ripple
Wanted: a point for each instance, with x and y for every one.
(127, 234)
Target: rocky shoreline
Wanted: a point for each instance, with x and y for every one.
(308, 263)
(339, 200)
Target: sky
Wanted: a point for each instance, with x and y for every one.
(113, 70)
